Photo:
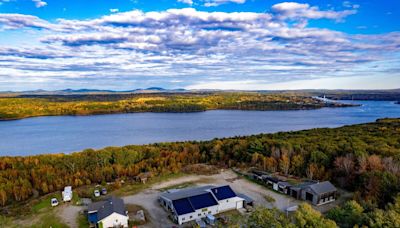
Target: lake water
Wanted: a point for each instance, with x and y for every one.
(75, 133)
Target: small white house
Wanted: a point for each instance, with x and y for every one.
(196, 203)
(67, 194)
(108, 213)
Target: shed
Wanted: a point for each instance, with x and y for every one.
(247, 200)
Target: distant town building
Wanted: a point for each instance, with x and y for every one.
(196, 203)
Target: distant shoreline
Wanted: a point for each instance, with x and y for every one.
(20, 107)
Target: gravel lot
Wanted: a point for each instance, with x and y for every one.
(148, 198)
(158, 216)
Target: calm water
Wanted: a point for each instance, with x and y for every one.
(68, 133)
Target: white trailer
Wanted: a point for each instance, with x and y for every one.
(67, 194)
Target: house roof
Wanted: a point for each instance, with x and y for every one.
(323, 187)
(94, 207)
(105, 208)
(302, 185)
(223, 192)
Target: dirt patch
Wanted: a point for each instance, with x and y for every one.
(69, 214)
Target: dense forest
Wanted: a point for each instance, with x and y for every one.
(89, 104)
(350, 215)
(373, 95)
(362, 158)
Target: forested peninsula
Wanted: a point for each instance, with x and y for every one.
(364, 159)
(23, 106)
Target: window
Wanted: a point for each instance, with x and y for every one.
(191, 216)
(199, 214)
(227, 200)
(183, 218)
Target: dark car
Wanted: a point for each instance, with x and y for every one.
(103, 191)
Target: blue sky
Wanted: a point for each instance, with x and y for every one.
(199, 44)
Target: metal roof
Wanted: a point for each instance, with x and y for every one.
(284, 183)
(246, 198)
(323, 187)
(187, 192)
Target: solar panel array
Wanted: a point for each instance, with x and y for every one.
(223, 192)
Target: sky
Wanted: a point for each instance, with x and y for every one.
(199, 44)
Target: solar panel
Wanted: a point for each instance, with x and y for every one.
(202, 201)
(182, 206)
(223, 192)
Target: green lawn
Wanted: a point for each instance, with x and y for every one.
(82, 221)
(44, 202)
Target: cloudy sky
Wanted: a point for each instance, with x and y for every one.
(199, 44)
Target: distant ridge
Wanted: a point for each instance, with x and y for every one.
(93, 91)
(313, 92)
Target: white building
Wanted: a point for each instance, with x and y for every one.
(108, 213)
(67, 194)
(194, 203)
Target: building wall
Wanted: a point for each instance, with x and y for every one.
(113, 220)
(229, 204)
(167, 204)
(200, 213)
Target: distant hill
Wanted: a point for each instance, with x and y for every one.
(387, 95)
(91, 91)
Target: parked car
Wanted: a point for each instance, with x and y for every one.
(103, 191)
(96, 193)
(54, 202)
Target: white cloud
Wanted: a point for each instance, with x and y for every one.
(189, 2)
(211, 3)
(114, 10)
(39, 3)
(194, 49)
(294, 10)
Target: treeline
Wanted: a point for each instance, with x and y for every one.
(362, 158)
(56, 105)
(350, 215)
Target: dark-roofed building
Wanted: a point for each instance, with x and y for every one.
(194, 203)
(108, 213)
(284, 187)
(319, 193)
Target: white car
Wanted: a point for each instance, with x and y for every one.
(54, 202)
(96, 193)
